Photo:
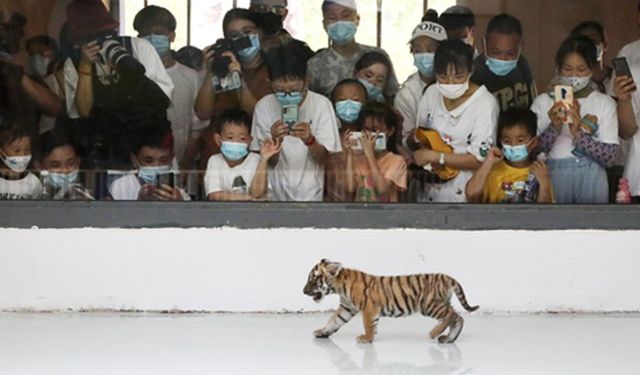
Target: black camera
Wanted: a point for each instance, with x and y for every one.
(220, 65)
(112, 52)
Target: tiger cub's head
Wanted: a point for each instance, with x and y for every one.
(321, 277)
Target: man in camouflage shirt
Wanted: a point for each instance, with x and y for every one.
(332, 65)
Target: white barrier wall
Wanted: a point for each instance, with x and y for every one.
(265, 270)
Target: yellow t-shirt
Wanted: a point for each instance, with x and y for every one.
(505, 184)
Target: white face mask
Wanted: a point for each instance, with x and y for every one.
(578, 83)
(453, 91)
(17, 164)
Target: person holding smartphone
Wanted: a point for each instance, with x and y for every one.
(374, 172)
(628, 98)
(152, 156)
(297, 172)
(579, 138)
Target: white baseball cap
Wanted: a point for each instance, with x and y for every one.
(433, 30)
(345, 3)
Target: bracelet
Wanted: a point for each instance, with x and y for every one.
(85, 73)
(311, 141)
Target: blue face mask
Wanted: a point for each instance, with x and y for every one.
(374, 92)
(63, 180)
(250, 52)
(234, 151)
(501, 67)
(290, 98)
(160, 43)
(348, 110)
(150, 174)
(342, 32)
(515, 153)
(424, 62)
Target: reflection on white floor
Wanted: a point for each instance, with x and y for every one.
(282, 344)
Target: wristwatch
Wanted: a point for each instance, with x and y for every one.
(441, 160)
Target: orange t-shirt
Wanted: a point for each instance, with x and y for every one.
(392, 167)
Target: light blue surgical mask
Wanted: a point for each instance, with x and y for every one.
(501, 67)
(515, 153)
(160, 43)
(150, 174)
(63, 180)
(342, 32)
(289, 98)
(17, 164)
(39, 65)
(348, 110)
(234, 151)
(374, 92)
(424, 62)
(250, 52)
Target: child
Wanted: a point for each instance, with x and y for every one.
(376, 175)
(152, 155)
(15, 155)
(308, 137)
(505, 175)
(61, 169)
(578, 155)
(158, 26)
(349, 96)
(237, 174)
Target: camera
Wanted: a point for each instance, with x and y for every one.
(224, 79)
(112, 52)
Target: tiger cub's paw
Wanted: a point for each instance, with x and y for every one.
(364, 339)
(321, 334)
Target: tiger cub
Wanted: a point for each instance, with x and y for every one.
(391, 296)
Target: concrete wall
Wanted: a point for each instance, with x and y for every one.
(265, 270)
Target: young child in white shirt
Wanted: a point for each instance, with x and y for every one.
(152, 155)
(237, 174)
(302, 121)
(16, 182)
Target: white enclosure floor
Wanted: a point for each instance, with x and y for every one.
(282, 344)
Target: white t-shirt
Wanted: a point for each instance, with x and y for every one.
(464, 129)
(143, 51)
(128, 187)
(181, 113)
(220, 176)
(632, 52)
(297, 177)
(48, 123)
(407, 102)
(632, 168)
(28, 187)
(597, 104)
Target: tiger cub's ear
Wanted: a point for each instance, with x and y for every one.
(333, 269)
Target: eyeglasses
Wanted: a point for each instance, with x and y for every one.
(264, 8)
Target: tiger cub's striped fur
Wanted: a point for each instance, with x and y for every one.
(392, 296)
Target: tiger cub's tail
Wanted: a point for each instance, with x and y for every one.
(457, 288)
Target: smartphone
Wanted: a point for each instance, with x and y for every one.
(621, 66)
(168, 178)
(290, 115)
(564, 94)
(381, 141)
